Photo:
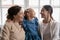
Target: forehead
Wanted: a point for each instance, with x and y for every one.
(30, 10)
(20, 11)
(43, 9)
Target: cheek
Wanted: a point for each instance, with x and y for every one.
(20, 17)
(33, 15)
(28, 15)
(46, 14)
(42, 14)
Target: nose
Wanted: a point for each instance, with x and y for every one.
(40, 12)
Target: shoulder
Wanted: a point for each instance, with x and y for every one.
(57, 23)
(7, 25)
(36, 18)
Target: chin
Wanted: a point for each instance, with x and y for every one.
(42, 17)
(21, 20)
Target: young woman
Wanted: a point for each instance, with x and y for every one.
(13, 29)
(30, 24)
(49, 28)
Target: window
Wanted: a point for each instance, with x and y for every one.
(35, 4)
(19, 2)
(0, 16)
(4, 5)
(55, 2)
(38, 4)
(44, 2)
(6, 2)
(4, 15)
(56, 12)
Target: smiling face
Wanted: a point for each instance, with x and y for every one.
(44, 13)
(19, 16)
(31, 13)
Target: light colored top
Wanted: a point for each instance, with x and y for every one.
(13, 31)
(49, 31)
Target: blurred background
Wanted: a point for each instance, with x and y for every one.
(35, 4)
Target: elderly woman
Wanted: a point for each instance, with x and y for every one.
(13, 30)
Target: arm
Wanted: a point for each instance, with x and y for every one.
(56, 35)
(5, 33)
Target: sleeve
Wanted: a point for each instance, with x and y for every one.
(56, 37)
(36, 21)
(24, 25)
(5, 33)
(38, 29)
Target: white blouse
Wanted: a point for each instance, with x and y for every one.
(53, 28)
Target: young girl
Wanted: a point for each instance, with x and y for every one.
(31, 25)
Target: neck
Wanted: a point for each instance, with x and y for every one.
(16, 21)
(47, 20)
(8, 20)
